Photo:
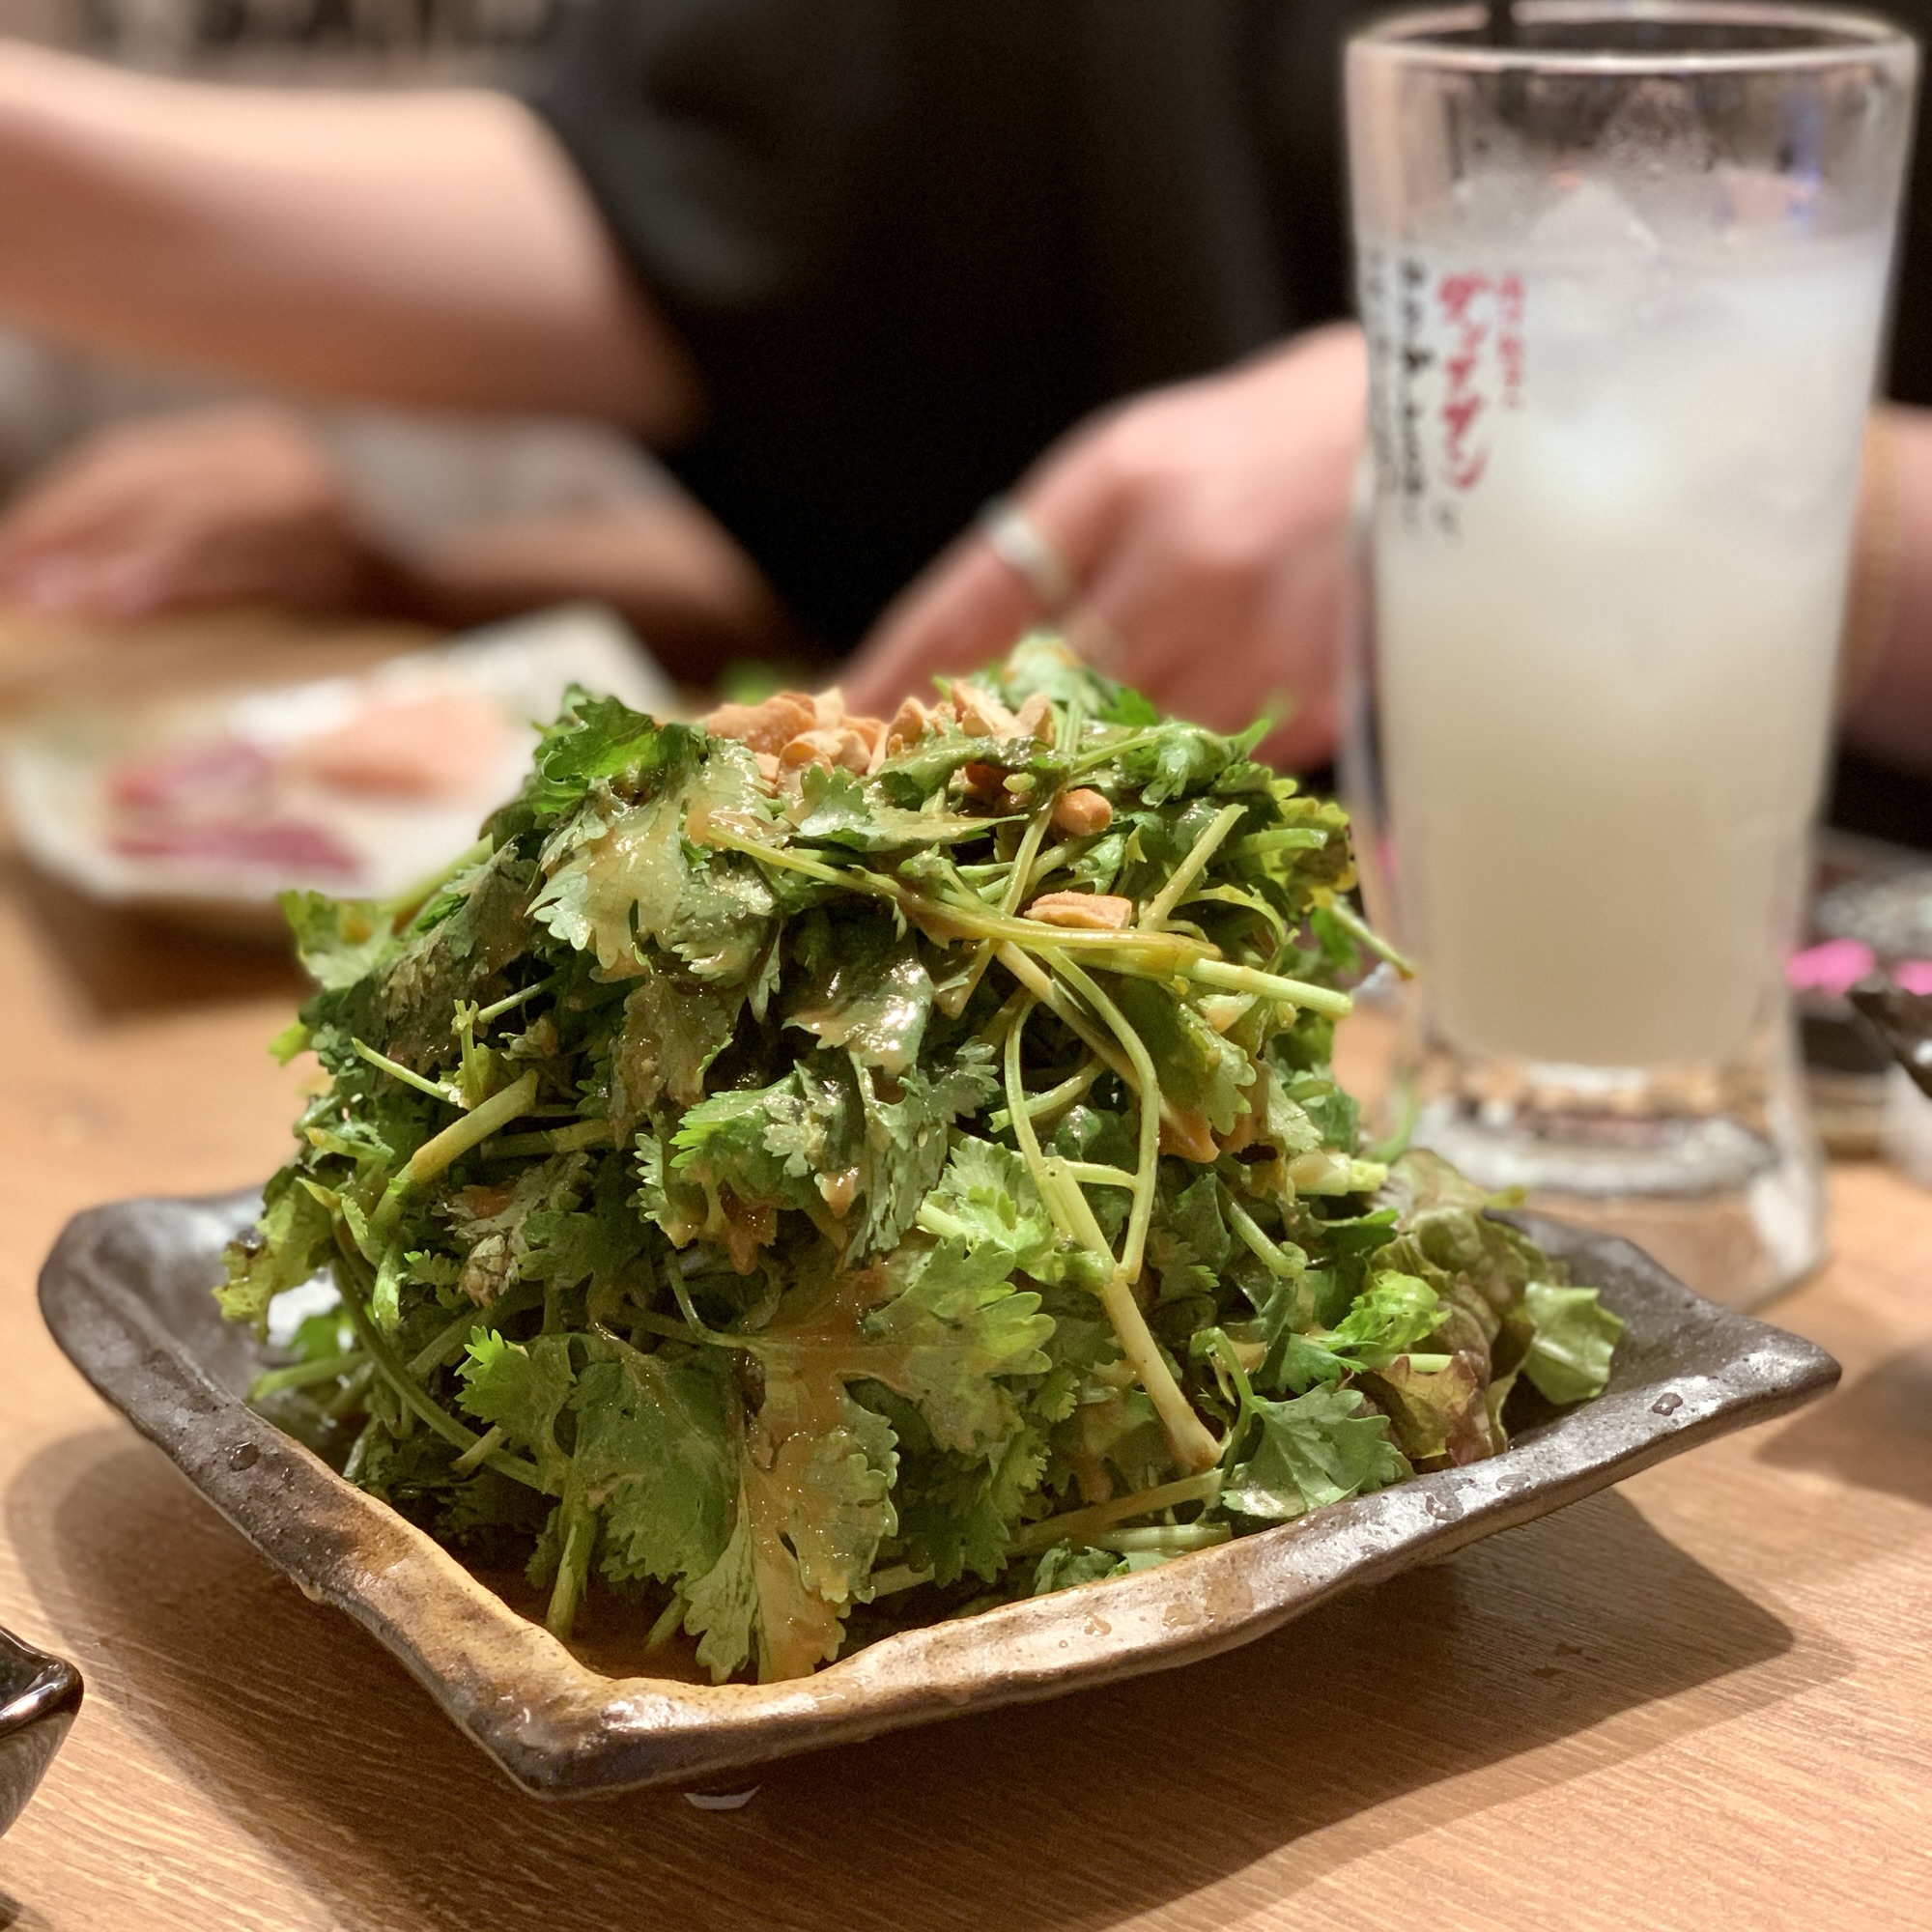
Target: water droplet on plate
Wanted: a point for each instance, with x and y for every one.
(722, 1801)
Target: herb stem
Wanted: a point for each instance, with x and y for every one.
(1153, 955)
(668, 1619)
(1103, 754)
(396, 1070)
(1222, 1344)
(1076, 1526)
(389, 1366)
(1149, 1083)
(1408, 1110)
(1037, 1105)
(435, 1354)
(1022, 868)
(572, 1139)
(491, 1440)
(900, 1577)
(1054, 858)
(352, 1390)
(573, 1569)
(1187, 1435)
(1174, 1539)
(1282, 839)
(1278, 1261)
(1017, 874)
(1194, 1448)
(442, 1151)
(1224, 973)
(358, 1451)
(1040, 983)
(1095, 1173)
(510, 1003)
(1190, 869)
(304, 1374)
(1029, 1141)
(1364, 934)
(413, 898)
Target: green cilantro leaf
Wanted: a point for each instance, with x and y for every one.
(869, 992)
(338, 941)
(654, 1452)
(1391, 1316)
(293, 1239)
(1320, 1448)
(944, 1341)
(521, 1391)
(986, 1195)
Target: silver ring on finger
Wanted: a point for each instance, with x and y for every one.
(1025, 548)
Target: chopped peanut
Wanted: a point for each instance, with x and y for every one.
(985, 782)
(872, 733)
(982, 714)
(768, 727)
(1035, 719)
(829, 708)
(855, 751)
(1083, 912)
(1081, 812)
(834, 745)
(908, 726)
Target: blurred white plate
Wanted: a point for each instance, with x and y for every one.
(203, 808)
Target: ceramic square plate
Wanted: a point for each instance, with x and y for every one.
(126, 1293)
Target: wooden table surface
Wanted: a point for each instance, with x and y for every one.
(1704, 1698)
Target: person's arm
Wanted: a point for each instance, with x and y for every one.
(1205, 530)
(247, 503)
(1888, 669)
(672, 573)
(428, 248)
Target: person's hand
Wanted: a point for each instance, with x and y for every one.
(1205, 527)
(216, 505)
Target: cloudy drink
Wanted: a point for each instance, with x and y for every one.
(1623, 267)
(1607, 648)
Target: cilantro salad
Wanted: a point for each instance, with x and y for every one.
(803, 1175)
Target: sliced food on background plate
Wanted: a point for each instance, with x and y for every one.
(207, 806)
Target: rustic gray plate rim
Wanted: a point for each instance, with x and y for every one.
(124, 1294)
(40, 1696)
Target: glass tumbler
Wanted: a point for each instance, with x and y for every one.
(1623, 271)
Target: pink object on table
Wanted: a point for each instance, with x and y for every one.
(299, 844)
(189, 775)
(1913, 975)
(427, 747)
(1835, 967)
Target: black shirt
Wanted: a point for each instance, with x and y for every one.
(910, 242)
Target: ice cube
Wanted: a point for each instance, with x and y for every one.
(1588, 216)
